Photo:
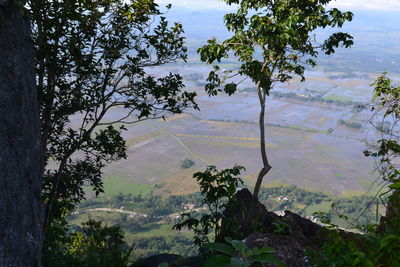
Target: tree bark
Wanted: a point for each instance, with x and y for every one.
(266, 166)
(21, 165)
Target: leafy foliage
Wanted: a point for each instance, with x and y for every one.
(187, 163)
(370, 249)
(387, 151)
(282, 228)
(91, 58)
(380, 245)
(339, 252)
(274, 41)
(237, 253)
(218, 188)
(91, 245)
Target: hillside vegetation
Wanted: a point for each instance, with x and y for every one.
(159, 144)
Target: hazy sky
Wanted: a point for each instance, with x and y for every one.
(393, 5)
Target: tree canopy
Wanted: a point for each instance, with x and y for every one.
(92, 58)
(274, 41)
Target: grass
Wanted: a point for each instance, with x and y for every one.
(299, 205)
(298, 128)
(275, 183)
(367, 184)
(351, 193)
(242, 144)
(164, 229)
(145, 137)
(115, 184)
(96, 215)
(323, 206)
(180, 183)
(343, 99)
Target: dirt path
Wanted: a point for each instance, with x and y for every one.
(184, 146)
(130, 213)
(136, 214)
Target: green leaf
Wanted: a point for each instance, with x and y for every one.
(270, 258)
(236, 262)
(239, 246)
(395, 186)
(220, 247)
(230, 88)
(263, 250)
(218, 260)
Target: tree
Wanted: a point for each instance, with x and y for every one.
(387, 151)
(377, 246)
(218, 188)
(21, 172)
(274, 40)
(187, 163)
(91, 59)
(92, 245)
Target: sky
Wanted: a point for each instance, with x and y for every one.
(390, 5)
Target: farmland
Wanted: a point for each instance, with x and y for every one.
(309, 142)
(317, 131)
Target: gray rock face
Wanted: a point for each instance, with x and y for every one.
(20, 149)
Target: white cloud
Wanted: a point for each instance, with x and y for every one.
(393, 5)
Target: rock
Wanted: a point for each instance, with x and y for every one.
(307, 227)
(246, 215)
(288, 249)
(246, 218)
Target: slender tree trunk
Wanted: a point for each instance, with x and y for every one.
(266, 167)
(21, 166)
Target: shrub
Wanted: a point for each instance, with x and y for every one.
(187, 163)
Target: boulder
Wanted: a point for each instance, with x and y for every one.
(288, 248)
(246, 218)
(246, 215)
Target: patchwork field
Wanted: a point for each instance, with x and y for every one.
(316, 134)
(311, 143)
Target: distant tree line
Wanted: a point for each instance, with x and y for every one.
(355, 125)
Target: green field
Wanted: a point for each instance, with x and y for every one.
(119, 183)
